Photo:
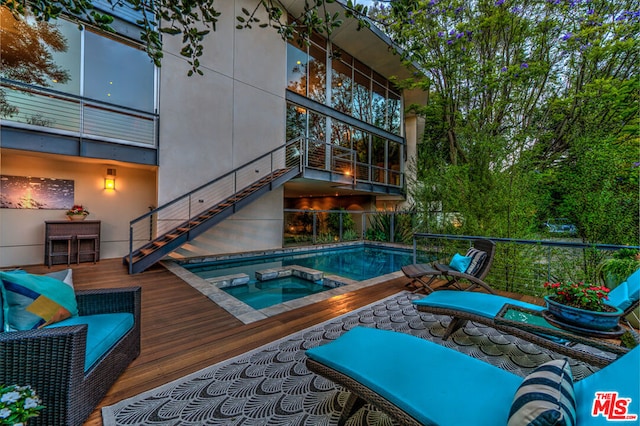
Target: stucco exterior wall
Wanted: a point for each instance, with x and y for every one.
(212, 124)
(22, 230)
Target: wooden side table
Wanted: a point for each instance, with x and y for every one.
(80, 248)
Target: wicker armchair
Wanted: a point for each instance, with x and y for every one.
(52, 360)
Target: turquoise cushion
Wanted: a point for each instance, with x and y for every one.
(626, 293)
(439, 385)
(614, 385)
(459, 262)
(483, 304)
(545, 397)
(103, 331)
(32, 301)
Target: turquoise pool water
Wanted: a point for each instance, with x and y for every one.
(357, 263)
(263, 294)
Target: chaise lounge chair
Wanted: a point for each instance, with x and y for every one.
(483, 308)
(481, 255)
(451, 388)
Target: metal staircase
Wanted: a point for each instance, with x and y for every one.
(154, 235)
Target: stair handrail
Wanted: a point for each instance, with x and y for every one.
(295, 147)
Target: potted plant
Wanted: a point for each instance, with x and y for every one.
(581, 305)
(18, 404)
(619, 266)
(77, 212)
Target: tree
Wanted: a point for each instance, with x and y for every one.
(513, 86)
(192, 19)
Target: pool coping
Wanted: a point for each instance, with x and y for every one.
(245, 313)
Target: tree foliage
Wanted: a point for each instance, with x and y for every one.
(522, 95)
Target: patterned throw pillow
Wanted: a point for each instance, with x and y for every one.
(477, 259)
(545, 397)
(33, 301)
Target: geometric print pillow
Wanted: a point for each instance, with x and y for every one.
(33, 301)
(477, 259)
(545, 397)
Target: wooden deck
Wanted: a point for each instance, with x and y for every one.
(183, 331)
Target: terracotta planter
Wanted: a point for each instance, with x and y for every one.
(601, 321)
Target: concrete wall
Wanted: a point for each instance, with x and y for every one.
(214, 123)
(22, 230)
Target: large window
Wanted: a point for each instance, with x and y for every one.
(71, 79)
(118, 73)
(354, 88)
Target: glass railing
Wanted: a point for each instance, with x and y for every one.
(523, 266)
(37, 108)
(336, 159)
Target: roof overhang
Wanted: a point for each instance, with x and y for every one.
(369, 45)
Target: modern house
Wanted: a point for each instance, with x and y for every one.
(100, 109)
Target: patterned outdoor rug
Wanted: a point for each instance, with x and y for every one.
(272, 386)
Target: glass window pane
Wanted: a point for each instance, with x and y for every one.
(317, 73)
(378, 106)
(340, 134)
(395, 112)
(317, 149)
(296, 121)
(118, 73)
(45, 54)
(341, 84)
(394, 155)
(297, 69)
(362, 97)
(317, 127)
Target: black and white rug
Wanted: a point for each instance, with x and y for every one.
(272, 386)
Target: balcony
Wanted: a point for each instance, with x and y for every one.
(75, 125)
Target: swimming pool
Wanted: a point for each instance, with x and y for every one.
(262, 294)
(359, 262)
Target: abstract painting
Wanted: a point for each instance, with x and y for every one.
(26, 192)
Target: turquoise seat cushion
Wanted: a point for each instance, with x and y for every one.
(33, 301)
(440, 386)
(483, 304)
(612, 391)
(103, 331)
(626, 293)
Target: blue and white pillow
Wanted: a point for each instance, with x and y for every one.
(545, 397)
(477, 260)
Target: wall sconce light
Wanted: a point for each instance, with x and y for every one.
(110, 179)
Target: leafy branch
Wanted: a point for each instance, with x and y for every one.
(193, 19)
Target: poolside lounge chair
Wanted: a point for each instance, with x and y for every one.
(422, 275)
(483, 308)
(451, 388)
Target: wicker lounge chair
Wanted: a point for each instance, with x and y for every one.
(448, 387)
(52, 360)
(422, 275)
(483, 308)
